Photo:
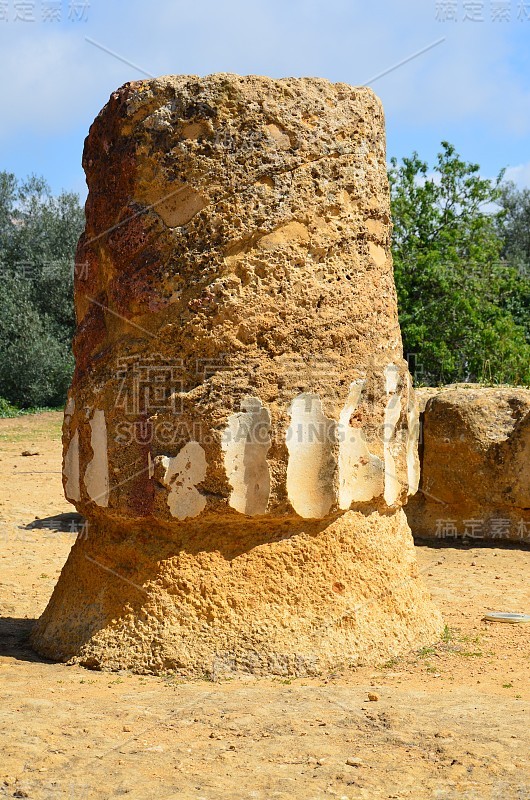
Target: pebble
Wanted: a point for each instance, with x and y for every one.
(373, 696)
(354, 762)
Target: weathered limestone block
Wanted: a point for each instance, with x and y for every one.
(475, 464)
(241, 430)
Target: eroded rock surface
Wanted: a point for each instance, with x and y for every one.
(475, 464)
(241, 432)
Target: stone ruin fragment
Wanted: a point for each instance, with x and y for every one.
(475, 473)
(241, 427)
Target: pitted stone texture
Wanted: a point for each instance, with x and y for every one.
(309, 597)
(475, 464)
(238, 342)
(237, 245)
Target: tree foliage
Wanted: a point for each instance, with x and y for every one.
(461, 299)
(514, 226)
(38, 236)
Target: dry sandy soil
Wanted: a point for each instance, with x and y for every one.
(450, 721)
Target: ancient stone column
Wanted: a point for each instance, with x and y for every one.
(241, 427)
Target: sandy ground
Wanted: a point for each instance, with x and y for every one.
(450, 721)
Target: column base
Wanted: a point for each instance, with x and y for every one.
(227, 596)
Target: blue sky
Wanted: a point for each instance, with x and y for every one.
(472, 89)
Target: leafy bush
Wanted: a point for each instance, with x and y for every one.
(38, 236)
(7, 410)
(463, 305)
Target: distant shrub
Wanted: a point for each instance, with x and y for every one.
(7, 410)
(38, 237)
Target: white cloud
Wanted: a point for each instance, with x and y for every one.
(520, 175)
(467, 79)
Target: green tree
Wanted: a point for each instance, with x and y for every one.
(514, 225)
(38, 236)
(456, 292)
(514, 229)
